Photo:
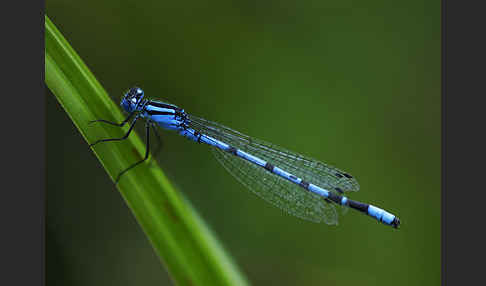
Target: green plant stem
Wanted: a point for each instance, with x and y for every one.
(184, 243)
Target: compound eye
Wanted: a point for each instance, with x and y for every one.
(134, 91)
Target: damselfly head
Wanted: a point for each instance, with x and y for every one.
(132, 99)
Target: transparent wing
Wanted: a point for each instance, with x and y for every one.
(310, 170)
(272, 188)
(278, 191)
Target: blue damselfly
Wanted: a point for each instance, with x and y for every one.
(299, 185)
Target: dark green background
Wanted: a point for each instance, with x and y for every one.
(355, 84)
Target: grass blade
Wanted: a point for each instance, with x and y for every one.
(184, 243)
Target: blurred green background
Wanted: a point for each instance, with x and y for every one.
(355, 84)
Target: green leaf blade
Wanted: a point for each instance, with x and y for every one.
(192, 255)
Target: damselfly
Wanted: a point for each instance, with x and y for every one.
(299, 185)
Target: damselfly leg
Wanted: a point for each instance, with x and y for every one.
(114, 123)
(159, 140)
(132, 125)
(118, 139)
(147, 152)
